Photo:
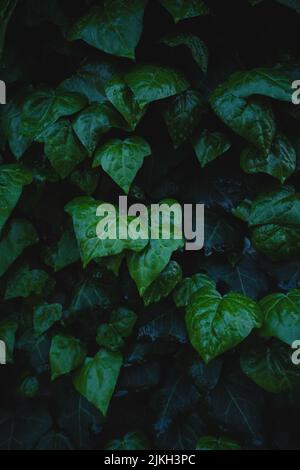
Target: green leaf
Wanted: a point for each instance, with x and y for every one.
(12, 180)
(19, 236)
(271, 367)
(86, 180)
(11, 122)
(216, 443)
(122, 160)
(146, 266)
(131, 441)
(62, 147)
(152, 82)
(123, 320)
(64, 253)
(280, 162)
(120, 326)
(97, 378)
(109, 338)
(182, 9)
(90, 80)
(45, 315)
(25, 282)
(210, 145)
(164, 284)
(197, 47)
(294, 4)
(44, 107)
(120, 95)
(281, 315)
(95, 121)
(165, 325)
(114, 27)
(66, 354)
(249, 116)
(182, 114)
(8, 330)
(83, 212)
(216, 324)
(29, 387)
(274, 217)
(188, 286)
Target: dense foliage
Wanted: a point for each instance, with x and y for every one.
(130, 344)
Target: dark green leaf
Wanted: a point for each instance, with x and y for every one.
(197, 47)
(45, 315)
(114, 27)
(210, 145)
(66, 354)
(97, 378)
(280, 162)
(151, 82)
(122, 160)
(216, 324)
(182, 9)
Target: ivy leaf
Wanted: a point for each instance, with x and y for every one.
(146, 266)
(182, 114)
(123, 320)
(122, 160)
(210, 145)
(177, 396)
(83, 212)
(66, 354)
(8, 330)
(271, 367)
(109, 338)
(44, 107)
(22, 428)
(37, 346)
(164, 284)
(19, 236)
(86, 180)
(97, 378)
(152, 82)
(220, 235)
(95, 121)
(12, 180)
(250, 117)
(188, 286)
(246, 276)
(114, 27)
(216, 443)
(11, 123)
(79, 418)
(280, 162)
(182, 9)
(131, 441)
(237, 404)
(90, 80)
(25, 282)
(166, 325)
(62, 147)
(91, 294)
(122, 98)
(197, 47)
(45, 315)
(274, 217)
(64, 253)
(281, 315)
(216, 324)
